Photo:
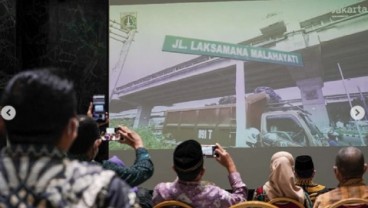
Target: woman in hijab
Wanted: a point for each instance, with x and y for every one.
(281, 181)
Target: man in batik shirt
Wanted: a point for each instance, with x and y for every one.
(34, 169)
(349, 169)
(189, 187)
(304, 172)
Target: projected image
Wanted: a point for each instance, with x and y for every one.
(246, 74)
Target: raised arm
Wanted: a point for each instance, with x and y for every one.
(142, 169)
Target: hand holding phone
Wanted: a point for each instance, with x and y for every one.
(225, 159)
(131, 137)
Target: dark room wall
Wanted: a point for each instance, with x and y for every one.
(68, 34)
(8, 57)
(9, 63)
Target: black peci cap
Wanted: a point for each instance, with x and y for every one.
(188, 159)
(304, 166)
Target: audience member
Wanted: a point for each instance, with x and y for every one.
(281, 181)
(86, 146)
(34, 171)
(304, 172)
(189, 187)
(349, 170)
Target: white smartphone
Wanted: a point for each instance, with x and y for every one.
(209, 150)
(111, 134)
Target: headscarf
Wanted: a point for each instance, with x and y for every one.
(281, 181)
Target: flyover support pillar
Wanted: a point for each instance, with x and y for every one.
(310, 82)
(143, 116)
(240, 105)
(313, 100)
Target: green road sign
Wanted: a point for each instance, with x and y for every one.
(229, 50)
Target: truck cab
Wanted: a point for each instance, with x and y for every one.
(281, 124)
(289, 128)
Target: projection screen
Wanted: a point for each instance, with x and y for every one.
(256, 77)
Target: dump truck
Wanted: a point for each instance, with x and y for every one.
(267, 125)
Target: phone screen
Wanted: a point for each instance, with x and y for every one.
(208, 150)
(99, 109)
(111, 135)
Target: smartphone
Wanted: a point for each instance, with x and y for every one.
(209, 150)
(99, 108)
(111, 134)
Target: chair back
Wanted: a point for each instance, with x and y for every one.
(351, 203)
(253, 204)
(284, 202)
(172, 204)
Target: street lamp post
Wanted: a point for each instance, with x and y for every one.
(351, 106)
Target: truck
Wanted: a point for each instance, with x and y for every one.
(267, 125)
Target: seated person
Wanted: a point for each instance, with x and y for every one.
(189, 187)
(349, 170)
(86, 145)
(34, 171)
(281, 181)
(304, 173)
